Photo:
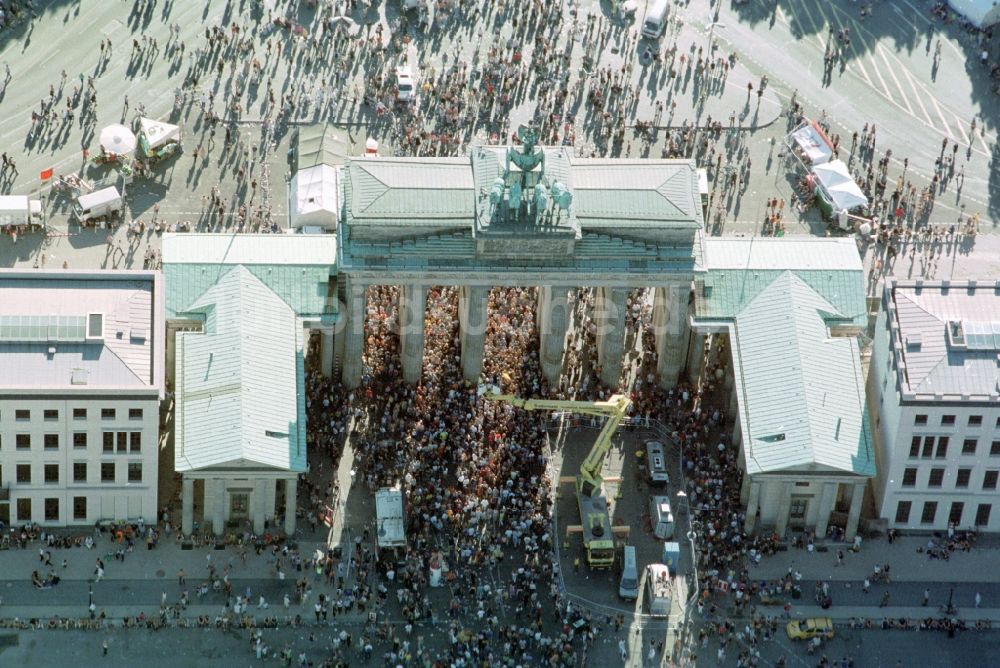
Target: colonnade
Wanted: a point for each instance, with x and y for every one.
(610, 311)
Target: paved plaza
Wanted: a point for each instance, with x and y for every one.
(242, 77)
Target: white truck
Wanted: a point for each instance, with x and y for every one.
(390, 522)
(20, 210)
(100, 204)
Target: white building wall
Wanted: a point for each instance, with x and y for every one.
(896, 424)
(117, 500)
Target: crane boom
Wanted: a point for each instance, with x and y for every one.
(615, 408)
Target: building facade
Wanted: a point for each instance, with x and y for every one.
(81, 379)
(933, 383)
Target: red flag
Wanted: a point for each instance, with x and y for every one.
(46, 174)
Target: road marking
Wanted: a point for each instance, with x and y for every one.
(860, 63)
(892, 73)
(960, 123)
(941, 115)
(982, 140)
(917, 95)
(812, 22)
(885, 88)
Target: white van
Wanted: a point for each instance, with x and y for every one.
(98, 204)
(656, 462)
(656, 19)
(661, 517)
(658, 590)
(20, 210)
(628, 587)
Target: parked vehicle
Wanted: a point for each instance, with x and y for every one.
(807, 629)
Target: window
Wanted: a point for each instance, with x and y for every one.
(79, 439)
(79, 413)
(920, 420)
(51, 441)
(909, 477)
(955, 513)
(22, 415)
(995, 448)
(109, 414)
(24, 473)
(135, 414)
(928, 447)
(969, 446)
(135, 441)
(52, 473)
(975, 420)
(24, 510)
(80, 508)
(23, 441)
(962, 480)
(107, 471)
(983, 514)
(51, 510)
(135, 471)
(990, 479)
(930, 510)
(50, 415)
(109, 441)
(798, 507)
(79, 471)
(942, 448)
(947, 420)
(915, 446)
(935, 478)
(903, 512)
(122, 441)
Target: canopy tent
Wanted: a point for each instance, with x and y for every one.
(153, 134)
(813, 143)
(837, 183)
(117, 139)
(322, 144)
(980, 13)
(314, 198)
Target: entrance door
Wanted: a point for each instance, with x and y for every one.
(798, 510)
(239, 505)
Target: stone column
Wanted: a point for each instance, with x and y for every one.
(753, 502)
(219, 508)
(327, 352)
(696, 356)
(291, 499)
(670, 329)
(472, 314)
(258, 505)
(826, 501)
(784, 505)
(553, 318)
(187, 505)
(353, 332)
(412, 306)
(857, 499)
(609, 317)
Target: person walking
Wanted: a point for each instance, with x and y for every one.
(979, 599)
(927, 597)
(181, 577)
(885, 600)
(104, 648)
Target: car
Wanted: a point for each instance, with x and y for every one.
(806, 629)
(406, 86)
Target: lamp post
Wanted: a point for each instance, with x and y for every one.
(711, 35)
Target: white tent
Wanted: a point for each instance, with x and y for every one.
(158, 133)
(315, 200)
(837, 182)
(117, 139)
(813, 144)
(981, 13)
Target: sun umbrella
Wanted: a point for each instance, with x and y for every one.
(117, 139)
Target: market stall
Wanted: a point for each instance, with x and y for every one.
(837, 193)
(158, 139)
(810, 144)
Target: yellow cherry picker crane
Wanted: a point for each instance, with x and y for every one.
(598, 535)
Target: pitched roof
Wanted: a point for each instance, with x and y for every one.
(631, 191)
(409, 188)
(240, 380)
(800, 391)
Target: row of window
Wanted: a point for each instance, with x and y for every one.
(928, 513)
(924, 447)
(51, 472)
(949, 421)
(112, 441)
(52, 509)
(935, 478)
(52, 414)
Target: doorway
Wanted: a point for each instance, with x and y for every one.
(239, 505)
